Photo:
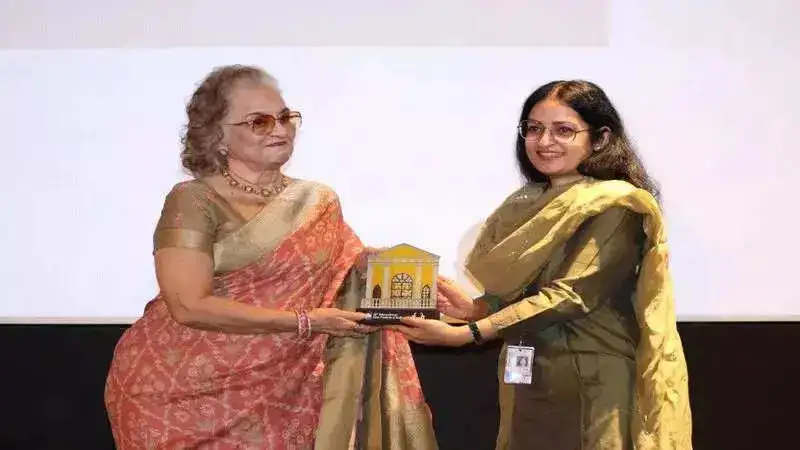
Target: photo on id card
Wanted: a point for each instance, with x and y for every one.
(519, 365)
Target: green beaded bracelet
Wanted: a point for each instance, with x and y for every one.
(476, 333)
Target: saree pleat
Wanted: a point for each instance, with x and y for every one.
(373, 384)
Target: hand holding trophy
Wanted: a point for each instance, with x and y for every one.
(455, 303)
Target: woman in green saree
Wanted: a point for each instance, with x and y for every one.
(574, 265)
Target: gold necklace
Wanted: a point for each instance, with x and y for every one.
(267, 191)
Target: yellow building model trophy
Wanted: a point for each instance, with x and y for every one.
(401, 281)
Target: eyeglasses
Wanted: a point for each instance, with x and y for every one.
(561, 133)
(263, 124)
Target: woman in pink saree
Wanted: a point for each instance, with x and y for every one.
(253, 341)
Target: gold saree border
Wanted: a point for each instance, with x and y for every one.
(262, 234)
(345, 368)
(363, 408)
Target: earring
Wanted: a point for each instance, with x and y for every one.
(223, 151)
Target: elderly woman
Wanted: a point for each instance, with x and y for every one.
(253, 341)
(574, 265)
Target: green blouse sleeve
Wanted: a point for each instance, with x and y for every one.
(603, 253)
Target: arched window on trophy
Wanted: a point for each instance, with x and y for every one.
(426, 295)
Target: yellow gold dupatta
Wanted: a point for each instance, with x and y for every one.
(515, 245)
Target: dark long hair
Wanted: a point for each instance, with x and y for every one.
(617, 160)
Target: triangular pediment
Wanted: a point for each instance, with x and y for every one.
(405, 251)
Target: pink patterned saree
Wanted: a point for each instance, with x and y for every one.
(171, 386)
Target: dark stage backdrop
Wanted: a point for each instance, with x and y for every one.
(744, 387)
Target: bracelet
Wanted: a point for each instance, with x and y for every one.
(308, 324)
(476, 333)
(303, 324)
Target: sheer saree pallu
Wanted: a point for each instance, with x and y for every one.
(516, 244)
(175, 387)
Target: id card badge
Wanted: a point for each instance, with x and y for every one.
(519, 364)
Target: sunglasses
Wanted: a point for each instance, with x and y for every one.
(263, 124)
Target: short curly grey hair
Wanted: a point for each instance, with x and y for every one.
(202, 136)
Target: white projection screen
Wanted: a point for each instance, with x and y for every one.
(409, 112)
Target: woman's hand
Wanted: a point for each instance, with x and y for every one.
(452, 302)
(432, 332)
(338, 322)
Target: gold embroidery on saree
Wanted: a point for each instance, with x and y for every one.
(266, 230)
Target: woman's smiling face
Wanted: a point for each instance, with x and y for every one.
(557, 140)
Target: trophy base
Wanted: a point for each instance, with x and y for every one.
(387, 316)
